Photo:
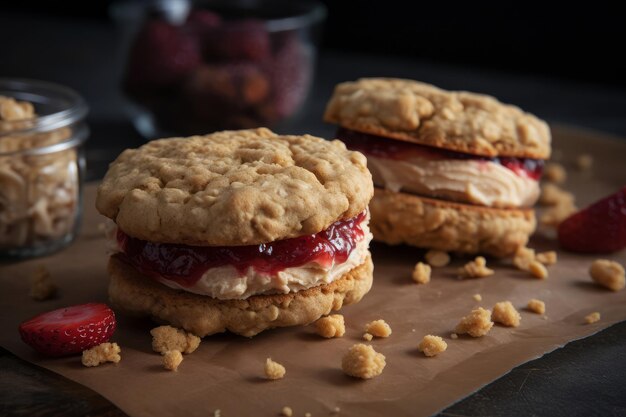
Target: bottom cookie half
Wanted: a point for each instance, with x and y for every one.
(136, 294)
(452, 227)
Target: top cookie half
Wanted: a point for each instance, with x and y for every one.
(234, 188)
(421, 113)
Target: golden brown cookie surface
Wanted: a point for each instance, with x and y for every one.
(136, 294)
(234, 188)
(451, 227)
(421, 113)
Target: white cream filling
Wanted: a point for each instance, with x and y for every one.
(226, 282)
(465, 180)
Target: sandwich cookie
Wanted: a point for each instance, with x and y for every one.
(238, 230)
(454, 171)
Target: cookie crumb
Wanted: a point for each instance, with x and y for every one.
(362, 361)
(432, 345)
(476, 269)
(421, 273)
(171, 360)
(166, 338)
(41, 286)
(536, 306)
(555, 172)
(523, 257)
(584, 162)
(217, 413)
(592, 318)
(331, 326)
(286, 411)
(546, 258)
(553, 195)
(378, 328)
(368, 337)
(561, 204)
(504, 313)
(607, 273)
(336, 410)
(274, 370)
(556, 214)
(307, 414)
(454, 336)
(477, 297)
(476, 324)
(437, 258)
(537, 270)
(104, 352)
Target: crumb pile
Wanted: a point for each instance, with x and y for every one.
(172, 359)
(476, 324)
(378, 328)
(168, 338)
(362, 361)
(536, 306)
(104, 352)
(331, 326)
(432, 345)
(505, 314)
(437, 258)
(476, 269)
(421, 273)
(274, 370)
(608, 274)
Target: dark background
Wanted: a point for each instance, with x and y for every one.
(583, 42)
(563, 63)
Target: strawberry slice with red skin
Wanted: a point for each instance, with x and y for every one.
(599, 228)
(69, 330)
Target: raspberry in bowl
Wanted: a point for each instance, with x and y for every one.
(201, 67)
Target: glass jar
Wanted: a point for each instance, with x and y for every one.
(194, 67)
(42, 130)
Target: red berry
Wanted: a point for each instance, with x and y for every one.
(161, 55)
(599, 228)
(203, 19)
(245, 40)
(69, 330)
(291, 75)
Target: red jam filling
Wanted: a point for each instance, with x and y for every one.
(186, 264)
(397, 149)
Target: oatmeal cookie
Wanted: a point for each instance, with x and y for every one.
(452, 227)
(136, 294)
(421, 113)
(234, 188)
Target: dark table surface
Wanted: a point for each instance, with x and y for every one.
(585, 377)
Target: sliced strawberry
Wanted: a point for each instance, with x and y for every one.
(599, 228)
(69, 330)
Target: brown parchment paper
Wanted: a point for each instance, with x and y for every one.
(226, 371)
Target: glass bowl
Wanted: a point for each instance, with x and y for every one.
(199, 67)
(42, 130)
